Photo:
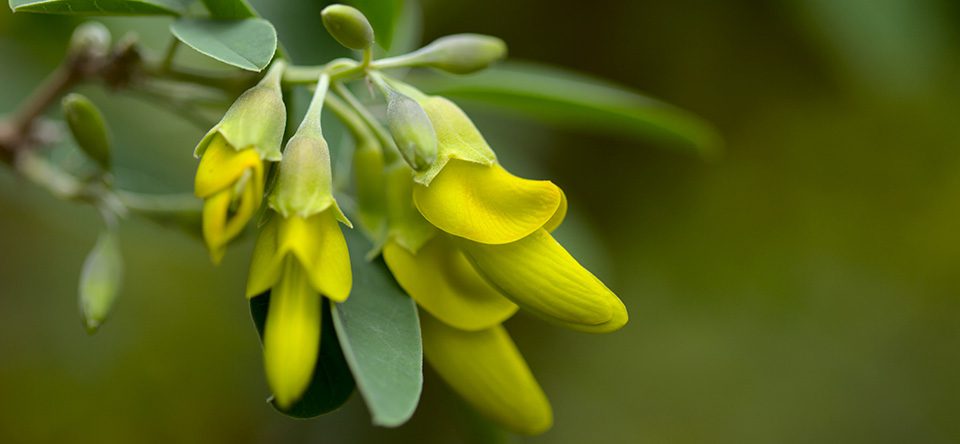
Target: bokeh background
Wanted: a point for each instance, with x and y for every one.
(803, 287)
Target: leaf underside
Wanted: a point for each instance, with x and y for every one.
(99, 7)
(246, 43)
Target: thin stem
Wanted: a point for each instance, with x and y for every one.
(57, 83)
(382, 135)
(169, 55)
(311, 123)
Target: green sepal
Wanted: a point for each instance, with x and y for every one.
(332, 382)
(257, 118)
(88, 128)
(304, 182)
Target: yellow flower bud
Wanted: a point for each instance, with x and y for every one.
(348, 26)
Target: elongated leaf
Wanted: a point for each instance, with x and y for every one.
(576, 100)
(229, 9)
(99, 7)
(379, 331)
(248, 43)
(383, 16)
(332, 382)
(100, 281)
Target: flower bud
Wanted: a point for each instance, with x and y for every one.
(411, 130)
(88, 128)
(90, 39)
(461, 53)
(348, 26)
(256, 119)
(100, 281)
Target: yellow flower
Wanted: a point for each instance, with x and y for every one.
(502, 223)
(298, 260)
(231, 183)
(470, 242)
(300, 256)
(230, 177)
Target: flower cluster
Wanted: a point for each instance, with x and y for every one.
(467, 240)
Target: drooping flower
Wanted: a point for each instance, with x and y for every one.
(230, 177)
(300, 256)
(471, 242)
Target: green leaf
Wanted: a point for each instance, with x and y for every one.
(576, 100)
(230, 9)
(379, 331)
(383, 16)
(332, 382)
(99, 7)
(100, 280)
(248, 43)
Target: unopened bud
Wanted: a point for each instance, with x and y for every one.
(461, 53)
(90, 39)
(88, 128)
(411, 130)
(348, 26)
(100, 281)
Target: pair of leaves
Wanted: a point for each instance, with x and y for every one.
(371, 342)
(575, 100)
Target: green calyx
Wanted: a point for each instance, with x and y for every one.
(256, 119)
(305, 180)
(348, 26)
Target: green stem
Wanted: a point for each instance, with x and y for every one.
(169, 55)
(390, 151)
(311, 123)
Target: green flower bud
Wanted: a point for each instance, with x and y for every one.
(100, 281)
(411, 130)
(348, 26)
(91, 39)
(461, 53)
(256, 119)
(88, 128)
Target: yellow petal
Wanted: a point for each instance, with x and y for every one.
(406, 226)
(487, 370)
(559, 216)
(444, 283)
(539, 275)
(485, 203)
(222, 165)
(318, 244)
(266, 264)
(291, 336)
(215, 210)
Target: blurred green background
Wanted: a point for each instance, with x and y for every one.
(801, 288)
